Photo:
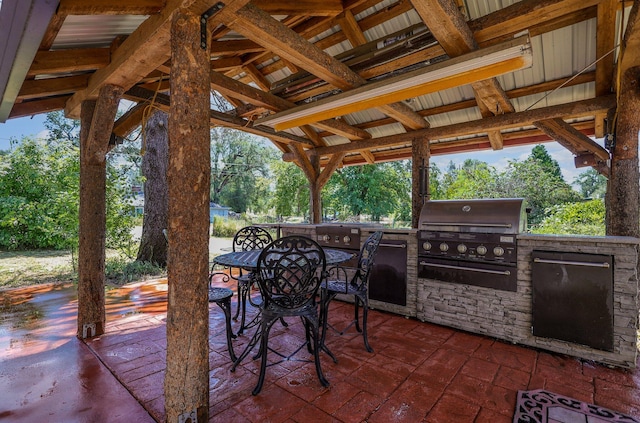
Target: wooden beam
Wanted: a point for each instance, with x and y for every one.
(230, 86)
(72, 60)
(130, 120)
(110, 7)
(301, 7)
(255, 24)
(162, 101)
(571, 139)
(258, 78)
(35, 107)
(448, 25)
(38, 88)
(334, 162)
(500, 122)
(605, 43)
(351, 29)
(144, 50)
(520, 16)
(631, 43)
(234, 47)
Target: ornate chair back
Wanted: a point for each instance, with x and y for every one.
(251, 238)
(365, 261)
(290, 271)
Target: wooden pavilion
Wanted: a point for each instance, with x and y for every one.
(331, 83)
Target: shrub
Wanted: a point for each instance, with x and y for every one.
(584, 218)
(226, 228)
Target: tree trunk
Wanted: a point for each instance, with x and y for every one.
(186, 383)
(623, 187)
(153, 245)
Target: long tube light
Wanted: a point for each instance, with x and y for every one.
(472, 67)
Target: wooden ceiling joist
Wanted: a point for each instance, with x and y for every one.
(37, 88)
(68, 61)
(110, 7)
(517, 120)
(143, 51)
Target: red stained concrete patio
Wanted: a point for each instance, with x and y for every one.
(418, 371)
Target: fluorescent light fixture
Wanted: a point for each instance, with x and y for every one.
(472, 67)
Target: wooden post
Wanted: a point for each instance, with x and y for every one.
(315, 198)
(186, 383)
(420, 154)
(623, 189)
(97, 118)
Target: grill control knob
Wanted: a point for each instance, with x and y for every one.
(346, 239)
(498, 251)
(426, 246)
(326, 238)
(482, 250)
(462, 248)
(444, 247)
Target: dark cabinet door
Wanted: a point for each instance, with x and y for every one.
(388, 279)
(573, 297)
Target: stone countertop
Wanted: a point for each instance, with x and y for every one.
(580, 238)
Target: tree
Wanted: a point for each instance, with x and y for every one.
(291, 194)
(376, 190)
(541, 189)
(474, 179)
(153, 245)
(550, 166)
(592, 184)
(237, 161)
(39, 198)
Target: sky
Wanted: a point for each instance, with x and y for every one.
(34, 126)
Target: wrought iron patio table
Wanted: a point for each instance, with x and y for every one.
(249, 260)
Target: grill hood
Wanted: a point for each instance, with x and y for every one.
(494, 215)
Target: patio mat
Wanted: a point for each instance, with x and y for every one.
(542, 406)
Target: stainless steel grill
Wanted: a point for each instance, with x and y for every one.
(471, 241)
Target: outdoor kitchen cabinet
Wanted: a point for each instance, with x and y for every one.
(573, 297)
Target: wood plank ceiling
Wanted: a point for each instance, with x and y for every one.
(269, 56)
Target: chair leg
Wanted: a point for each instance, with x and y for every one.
(365, 314)
(315, 327)
(225, 305)
(235, 317)
(356, 317)
(243, 305)
(265, 328)
(325, 299)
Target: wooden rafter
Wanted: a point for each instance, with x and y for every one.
(143, 51)
(574, 141)
(446, 23)
(507, 121)
(73, 60)
(260, 27)
(162, 101)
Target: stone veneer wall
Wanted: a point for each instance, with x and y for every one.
(508, 315)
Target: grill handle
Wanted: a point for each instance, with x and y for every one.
(472, 269)
(572, 263)
(487, 225)
(393, 245)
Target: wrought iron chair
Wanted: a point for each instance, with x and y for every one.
(246, 239)
(351, 281)
(289, 274)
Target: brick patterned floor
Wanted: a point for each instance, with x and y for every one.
(418, 372)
